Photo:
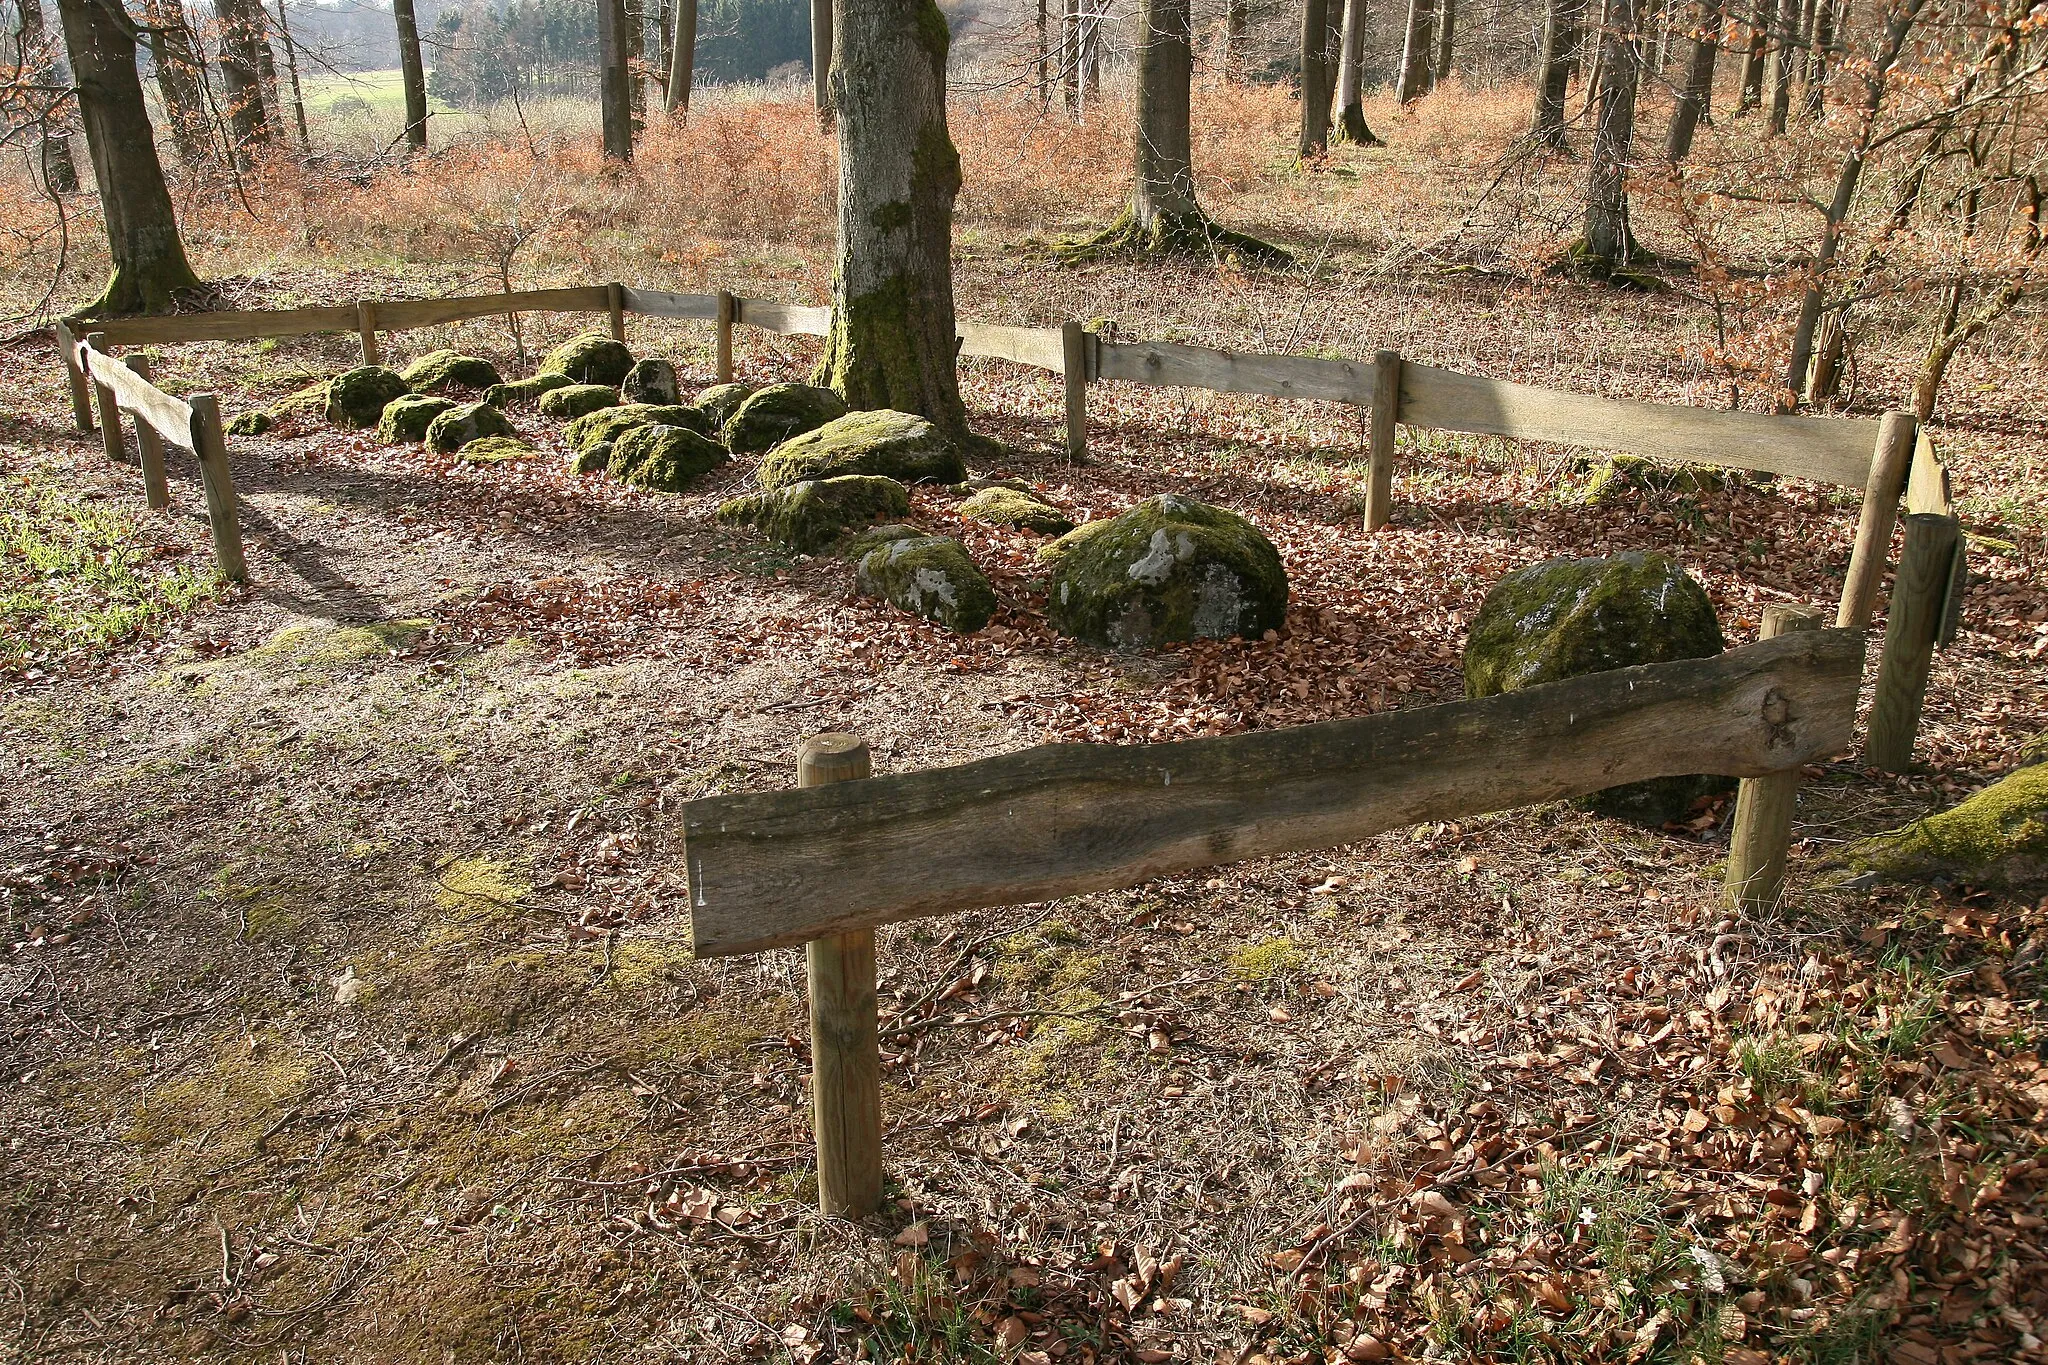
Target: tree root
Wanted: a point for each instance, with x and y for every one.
(1174, 234)
(1632, 271)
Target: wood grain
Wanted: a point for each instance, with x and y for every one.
(790, 319)
(1927, 483)
(1040, 346)
(209, 444)
(172, 417)
(1386, 405)
(1913, 620)
(228, 326)
(653, 303)
(774, 868)
(1883, 483)
(74, 375)
(149, 444)
(1760, 835)
(398, 315)
(1276, 376)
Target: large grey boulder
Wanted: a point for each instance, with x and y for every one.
(358, 397)
(1170, 569)
(652, 380)
(466, 422)
(592, 358)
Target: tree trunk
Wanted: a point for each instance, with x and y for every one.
(1351, 77)
(1607, 245)
(1044, 61)
(636, 67)
(821, 61)
(1560, 40)
(1090, 76)
(893, 342)
(1315, 81)
(1762, 15)
(1691, 104)
(60, 169)
(614, 89)
(180, 79)
(1070, 58)
(1233, 40)
(1446, 30)
(266, 65)
(1418, 50)
(1817, 60)
(241, 74)
(412, 74)
(291, 65)
(682, 57)
(1786, 45)
(142, 229)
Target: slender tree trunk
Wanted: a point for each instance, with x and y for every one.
(682, 57)
(615, 95)
(1044, 61)
(1817, 60)
(1446, 29)
(1691, 104)
(1608, 245)
(266, 66)
(1233, 40)
(1351, 124)
(180, 79)
(893, 341)
(1315, 76)
(142, 229)
(60, 169)
(241, 32)
(1786, 49)
(1553, 79)
(1763, 13)
(1418, 51)
(636, 64)
(1070, 58)
(1090, 77)
(821, 61)
(412, 73)
(291, 66)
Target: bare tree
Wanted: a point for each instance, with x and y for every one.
(682, 57)
(821, 61)
(1314, 141)
(1446, 30)
(1418, 52)
(1350, 77)
(180, 79)
(1762, 14)
(1607, 244)
(1560, 41)
(1691, 104)
(241, 70)
(60, 170)
(615, 90)
(412, 73)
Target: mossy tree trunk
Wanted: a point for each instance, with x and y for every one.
(893, 342)
(1351, 124)
(413, 73)
(180, 79)
(1691, 105)
(1560, 40)
(1607, 244)
(142, 229)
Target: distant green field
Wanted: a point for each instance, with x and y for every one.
(378, 96)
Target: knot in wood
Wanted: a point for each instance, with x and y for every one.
(1777, 715)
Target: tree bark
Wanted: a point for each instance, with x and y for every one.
(682, 57)
(241, 32)
(291, 64)
(59, 167)
(1233, 40)
(1691, 104)
(821, 61)
(1070, 58)
(1314, 141)
(1607, 244)
(893, 341)
(1763, 13)
(1418, 51)
(1560, 41)
(412, 74)
(142, 229)
(1446, 32)
(1351, 124)
(180, 79)
(1817, 59)
(615, 93)
(1786, 45)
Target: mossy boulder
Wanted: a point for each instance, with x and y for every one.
(574, 400)
(810, 515)
(608, 424)
(466, 422)
(929, 576)
(592, 358)
(1017, 508)
(1997, 838)
(665, 458)
(1622, 475)
(1170, 569)
(1567, 617)
(496, 450)
(438, 371)
(721, 401)
(856, 546)
(652, 380)
(772, 415)
(251, 423)
(526, 390)
(357, 398)
(897, 445)
(407, 418)
(592, 459)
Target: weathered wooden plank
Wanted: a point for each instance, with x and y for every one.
(74, 374)
(228, 326)
(774, 868)
(1828, 449)
(790, 319)
(1040, 346)
(1760, 836)
(1883, 484)
(398, 315)
(149, 445)
(170, 417)
(208, 440)
(654, 303)
(1277, 376)
(1927, 484)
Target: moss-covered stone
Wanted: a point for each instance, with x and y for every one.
(652, 380)
(592, 358)
(251, 423)
(1997, 838)
(466, 422)
(526, 390)
(591, 460)
(1025, 511)
(574, 400)
(665, 458)
(856, 546)
(1623, 475)
(774, 414)
(496, 450)
(356, 398)
(439, 371)
(929, 576)
(897, 445)
(721, 401)
(407, 418)
(1567, 617)
(809, 516)
(1170, 569)
(608, 424)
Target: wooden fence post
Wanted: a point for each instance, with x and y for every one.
(155, 490)
(1386, 415)
(1762, 831)
(728, 313)
(366, 328)
(1889, 463)
(846, 1061)
(615, 300)
(1918, 595)
(110, 408)
(209, 443)
(1074, 341)
(81, 396)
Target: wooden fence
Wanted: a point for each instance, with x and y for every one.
(825, 864)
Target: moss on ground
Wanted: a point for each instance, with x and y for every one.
(1999, 837)
(1267, 960)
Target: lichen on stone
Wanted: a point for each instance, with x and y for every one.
(526, 390)
(575, 400)
(652, 380)
(357, 398)
(808, 516)
(856, 546)
(665, 458)
(772, 415)
(721, 401)
(592, 358)
(1025, 511)
(437, 371)
(897, 445)
(1168, 570)
(608, 424)
(466, 422)
(929, 576)
(406, 419)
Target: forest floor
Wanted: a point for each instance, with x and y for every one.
(350, 1013)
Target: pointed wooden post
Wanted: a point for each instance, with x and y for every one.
(155, 490)
(846, 1057)
(1386, 416)
(728, 313)
(1889, 464)
(1762, 833)
(1919, 593)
